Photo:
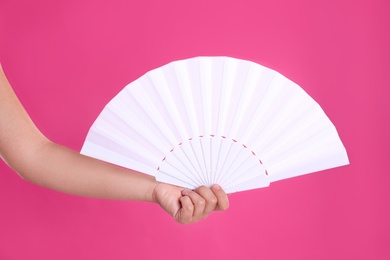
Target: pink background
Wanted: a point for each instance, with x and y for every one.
(67, 59)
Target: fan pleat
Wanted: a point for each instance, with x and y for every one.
(218, 67)
(128, 108)
(118, 132)
(127, 160)
(205, 74)
(187, 95)
(155, 85)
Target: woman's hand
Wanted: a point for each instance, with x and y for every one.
(189, 206)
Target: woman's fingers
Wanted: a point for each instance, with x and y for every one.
(185, 214)
(199, 203)
(222, 198)
(211, 201)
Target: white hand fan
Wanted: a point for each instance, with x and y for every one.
(219, 120)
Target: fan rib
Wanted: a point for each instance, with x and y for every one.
(184, 171)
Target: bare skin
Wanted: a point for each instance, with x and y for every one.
(38, 160)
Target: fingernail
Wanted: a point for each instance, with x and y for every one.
(216, 187)
(185, 191)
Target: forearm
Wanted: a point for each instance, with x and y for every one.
(45, 163)
(62, 169)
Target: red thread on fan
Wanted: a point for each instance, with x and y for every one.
(212, 135)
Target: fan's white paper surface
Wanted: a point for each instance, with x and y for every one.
(211, 120)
